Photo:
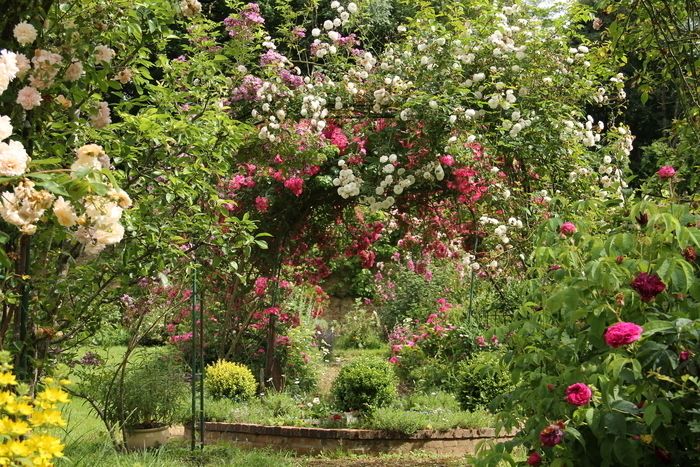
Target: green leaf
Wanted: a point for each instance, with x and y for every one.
(657, 326)
(625, 406)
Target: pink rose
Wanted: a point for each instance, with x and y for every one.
(666, 171)
(262, 204)
(447, 160)
(683, 355)
(578, 394)
(567, 229)
(480, 341)
(295, 185)
(623, 333)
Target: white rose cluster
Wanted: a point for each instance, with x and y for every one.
(190, 8)
(101, 118)
(348, 184)
(24, 206)
(13, 156)
(25, 33)
(8, 69)
(588, 133)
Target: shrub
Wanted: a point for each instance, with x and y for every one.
(606, 343)
(365, 384)
(229, 379)
(482, 379)
(153, 388)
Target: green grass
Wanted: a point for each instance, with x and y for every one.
(87, 444)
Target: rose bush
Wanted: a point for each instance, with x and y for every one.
(603, 343)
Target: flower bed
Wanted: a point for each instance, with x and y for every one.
(305, 440)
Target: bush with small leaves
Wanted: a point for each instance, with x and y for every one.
(230, 380)
(482, 379)
(365, 384)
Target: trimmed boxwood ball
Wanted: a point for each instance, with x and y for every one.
(365, 384)
(230, 380)
(481, 380)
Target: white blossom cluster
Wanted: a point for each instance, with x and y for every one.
(348, 184)
(190, 8)
(588, 133)
(24, 206)
(13, 156)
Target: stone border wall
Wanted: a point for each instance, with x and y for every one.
(305, 440)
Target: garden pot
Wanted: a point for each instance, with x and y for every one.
(145, 438)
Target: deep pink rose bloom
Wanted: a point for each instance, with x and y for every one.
(262, 204)
(567, 228)
(295, 185)
(447, 160)
(666, 171)
(578, 394)
(534, 458)
(683, 355)
(552, 435)
(648, 285)
(623, 333)
(480, 341)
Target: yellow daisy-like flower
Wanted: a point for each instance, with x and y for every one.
(6, 397)
(47, 417)
(53, 395)
(14, 427)
(47, 446)
(14, 448)
(8, 379)
(19, 408)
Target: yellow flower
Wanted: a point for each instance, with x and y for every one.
(646, 439)
(6, 397)
(7, 379)
(14, 448)
(46, 446)
(20, 408)
(13, 427)
(47, 417)
(53, 395)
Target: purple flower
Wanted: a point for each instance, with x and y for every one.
(248, 90)
(292, 80)
(271, 58)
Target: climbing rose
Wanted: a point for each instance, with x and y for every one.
(578, 394)
(262, 204)
(648, 285)
(623, 333)
(295, 185)
(666, 172)
(260, 286)
(553, 434)
(534, 458)
(567, 228)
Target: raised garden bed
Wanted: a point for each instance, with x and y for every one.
(305, 440)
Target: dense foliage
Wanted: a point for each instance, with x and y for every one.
(364, 385)
(230, 380)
